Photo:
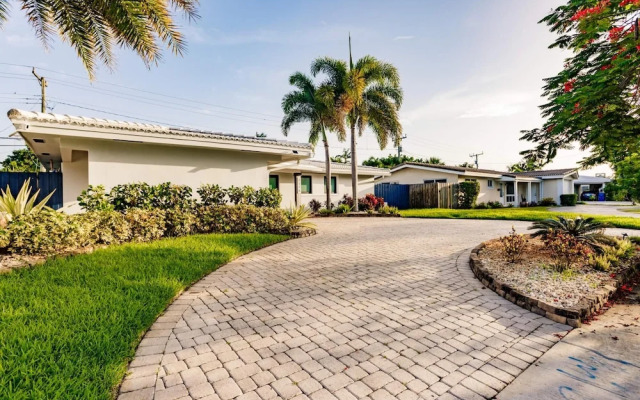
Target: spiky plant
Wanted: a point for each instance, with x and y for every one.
(23, 203)
(586, 230)
(298, 218)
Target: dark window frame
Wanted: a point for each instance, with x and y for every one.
(334, 185)
(310, 184)
(277, 181)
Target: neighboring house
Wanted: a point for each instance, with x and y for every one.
(592, 184)
(92, 151)
(507, 188)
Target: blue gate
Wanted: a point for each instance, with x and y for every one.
(46, 182)
(394, 194)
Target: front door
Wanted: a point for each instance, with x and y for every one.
(535, 189)
(511, 193)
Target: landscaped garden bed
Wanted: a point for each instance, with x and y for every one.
(565, 276)
(369, 206)
(70, 322)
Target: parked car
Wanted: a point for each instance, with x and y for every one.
(589, 196)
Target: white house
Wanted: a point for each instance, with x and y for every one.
(504, 187)
(93, 151)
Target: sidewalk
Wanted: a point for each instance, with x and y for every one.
(598, 361)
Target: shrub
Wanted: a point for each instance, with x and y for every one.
(343, 209)
(236, 195)
(132, 195)
(211, 195)
(568, 199)
(348, 200)
(533, 204)
(585, 230)
(23, 203)
(325, 212)
(388, 210)
(494, 204)
(329, 206)
(145, 225)
(600, 262)
(624, 248)
(566, 249)
(548, 202)
(370, 202)
(240, 219)
(46, 232)
(103, 227)
(315, 205)
(468, 194)
(166, 196)
(513, 245)
(481, 206)
(179, 222)
(266, 197)
(298, 218)
(5, 238)
(95, 198)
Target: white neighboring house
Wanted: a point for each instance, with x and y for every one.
(508, 188)
(93, 151)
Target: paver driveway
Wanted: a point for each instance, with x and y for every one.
(370, 308)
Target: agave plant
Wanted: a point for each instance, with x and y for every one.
(23, 203)
(298, 218)
(586, 230)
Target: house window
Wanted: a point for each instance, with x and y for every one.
(334, 186)
(305, 184)
(435, 181)
(274, 182)
(470, 180)
(490, 183)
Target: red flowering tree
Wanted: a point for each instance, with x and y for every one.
(594, 100)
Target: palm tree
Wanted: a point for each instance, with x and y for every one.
(315, 105)
(92, 27)
(369, 94)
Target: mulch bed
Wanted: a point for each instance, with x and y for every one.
(534, 283)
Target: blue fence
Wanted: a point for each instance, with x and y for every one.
(46, 182)
(395, 195)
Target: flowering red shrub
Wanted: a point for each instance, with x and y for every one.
(513, 246)
(370, 202)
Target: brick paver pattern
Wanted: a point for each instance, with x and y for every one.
(369, 308)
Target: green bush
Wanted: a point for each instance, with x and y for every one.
(95, 198)
(241, 218)
(325, 212)
(145, 225)
(568, 199)
(266, 197)
(105, 227)
(343, 208)
(179, 222)
(5, 238)
(468, 194)
(388, 210)
(167, 196)
(46, 232)
(211, 195)
(548, 202)
(132, 195)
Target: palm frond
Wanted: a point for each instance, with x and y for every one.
(4, 11)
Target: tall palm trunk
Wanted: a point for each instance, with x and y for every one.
(354, 168)
(327, 165)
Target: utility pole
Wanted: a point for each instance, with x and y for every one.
(476, 157)
(43, 87)
(400, 146)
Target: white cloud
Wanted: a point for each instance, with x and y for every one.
(406, 37)
(19, 40)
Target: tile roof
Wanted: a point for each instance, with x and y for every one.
(532, 174)
(15, 114)
(549, 172)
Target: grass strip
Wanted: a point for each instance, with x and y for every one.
(69, 327)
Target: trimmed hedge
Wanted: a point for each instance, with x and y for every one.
(51, 232)
(568, 199)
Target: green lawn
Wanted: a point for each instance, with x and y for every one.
(517, 214)
(68, 328)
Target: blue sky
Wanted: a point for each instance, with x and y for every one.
(471, 70)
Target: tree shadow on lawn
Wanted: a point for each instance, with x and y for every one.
(69, 327)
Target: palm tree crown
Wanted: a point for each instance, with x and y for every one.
(92, 27)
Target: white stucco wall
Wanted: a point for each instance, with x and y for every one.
(343, 186)
(552, 188)
(486, 193)
(111, 163)
(75, 177)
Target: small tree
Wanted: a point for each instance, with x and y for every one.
(21, 160)
(627, 178)
(468, 194)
